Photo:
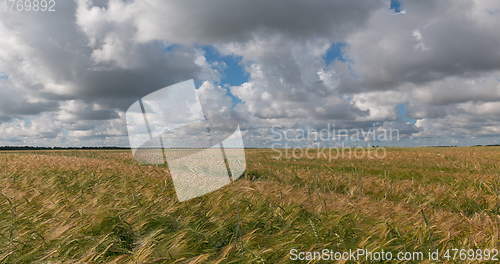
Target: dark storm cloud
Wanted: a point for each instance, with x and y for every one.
(63, 55)
(25, 108)
(219, 21)
(119, 88)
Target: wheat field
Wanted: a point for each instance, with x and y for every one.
(104, 207)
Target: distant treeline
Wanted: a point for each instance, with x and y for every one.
(58, 148)
(127, 148)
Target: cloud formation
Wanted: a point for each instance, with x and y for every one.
(67, 76)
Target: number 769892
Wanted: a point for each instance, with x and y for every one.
(28, 5)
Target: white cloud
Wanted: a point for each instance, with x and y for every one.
(80, 67)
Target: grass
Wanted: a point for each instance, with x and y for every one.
(102, 207)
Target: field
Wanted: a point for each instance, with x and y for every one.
(103, 207)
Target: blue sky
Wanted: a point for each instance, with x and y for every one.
(396, 6)
(402, 114)
(230, 67)
(335, 53)
(232, 71)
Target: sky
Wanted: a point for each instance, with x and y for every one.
(430, 69)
